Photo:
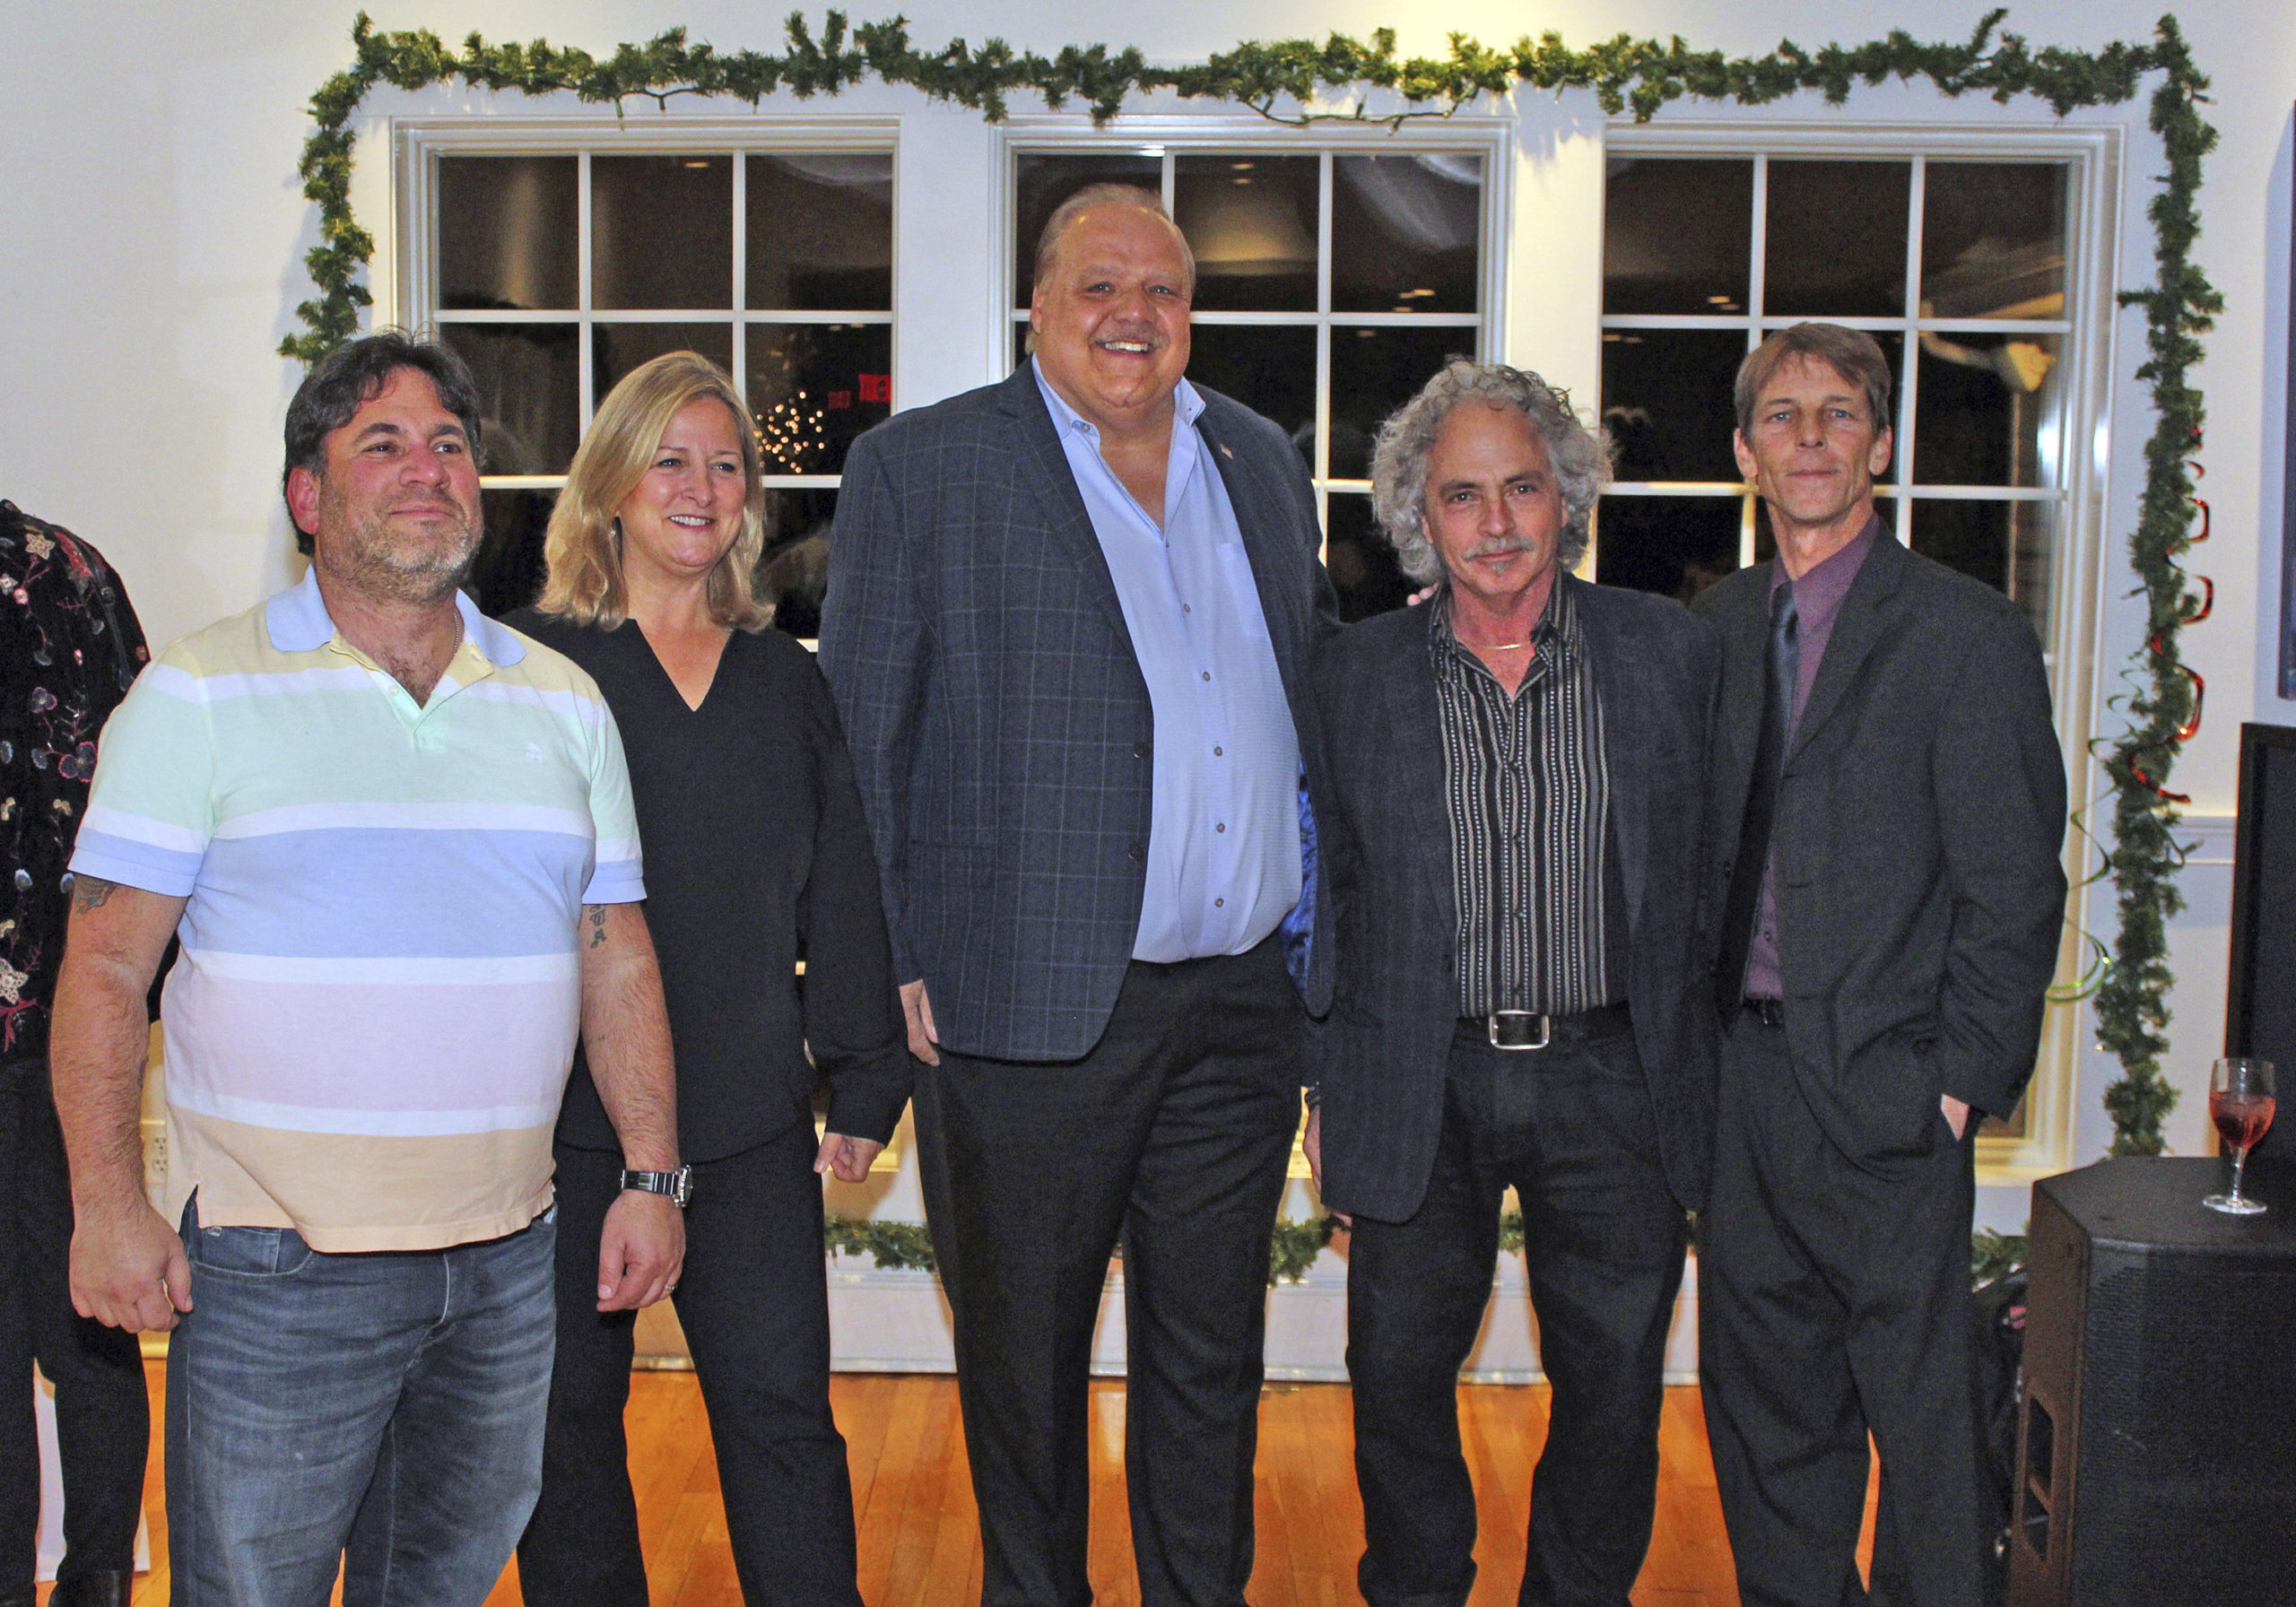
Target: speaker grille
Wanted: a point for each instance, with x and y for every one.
(2187, 1418)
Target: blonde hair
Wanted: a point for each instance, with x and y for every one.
(583, 547)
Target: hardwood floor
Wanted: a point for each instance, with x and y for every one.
(919, 1546)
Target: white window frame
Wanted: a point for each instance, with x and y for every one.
(418, 142)
(2095, 155)
(1491, 138)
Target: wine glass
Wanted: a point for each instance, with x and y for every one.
(2239, 1102)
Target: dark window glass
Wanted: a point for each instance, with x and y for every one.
(1375, 371)
(1677, 235)
(616, 349)
(1361, 560)
(662, 231)
(508, 572)
(1251, 223)
(1404, 230)
(1835, 246)
(1041, 181)
(507, 228)
(1271, 371)
(794, 571)
(1667, 400)
(1675, 546)
(1993, 239)
(821, 232)
(529, 391)
(1978, 416)
(2005, 544)
(813, 388)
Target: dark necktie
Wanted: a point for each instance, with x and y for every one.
(1744, 907)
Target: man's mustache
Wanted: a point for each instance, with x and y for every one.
(1498, 544)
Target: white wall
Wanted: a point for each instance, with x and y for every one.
(154, 229)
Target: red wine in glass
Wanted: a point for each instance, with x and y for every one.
(2240, 1104)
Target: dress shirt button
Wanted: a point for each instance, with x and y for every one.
(1136, 852)
(1219, 903)
(1222, 826)
(1219, 752)
(1207, 674)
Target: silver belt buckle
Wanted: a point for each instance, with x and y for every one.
(1491, 1028)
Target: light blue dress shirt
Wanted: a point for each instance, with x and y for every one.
(1223, 842)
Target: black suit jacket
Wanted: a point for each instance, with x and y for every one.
(1000, 727)
(1387, 844)
(1920, 826)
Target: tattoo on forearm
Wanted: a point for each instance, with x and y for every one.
(89, 892)
(597, 914)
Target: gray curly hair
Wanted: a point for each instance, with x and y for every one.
(1581, 457)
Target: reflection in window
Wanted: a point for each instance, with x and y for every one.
(1251, 221)
(1412, 226)
(801, 316)
(1362, 560)
(1979, 422)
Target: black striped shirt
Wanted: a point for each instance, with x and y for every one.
(1528, 792)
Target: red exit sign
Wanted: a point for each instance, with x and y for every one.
(877, 388)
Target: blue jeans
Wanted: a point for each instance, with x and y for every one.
(303, 1386)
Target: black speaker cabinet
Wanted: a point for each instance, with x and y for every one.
(2156, 1441)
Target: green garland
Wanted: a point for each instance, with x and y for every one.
(1640, 75)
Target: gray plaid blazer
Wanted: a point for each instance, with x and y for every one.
(1000, 727)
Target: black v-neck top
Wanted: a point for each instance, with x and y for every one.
(756, 856)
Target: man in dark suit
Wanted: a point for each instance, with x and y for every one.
(1889, 815)
(1069, 626)
(1511, 841)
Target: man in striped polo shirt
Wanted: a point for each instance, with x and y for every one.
(396, 841)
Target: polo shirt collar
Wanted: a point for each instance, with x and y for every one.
(298, 622)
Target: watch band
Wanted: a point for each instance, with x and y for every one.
(676, 1186)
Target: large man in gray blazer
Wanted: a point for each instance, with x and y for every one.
(1511, 841)
(1068, 625)
(1889, 814)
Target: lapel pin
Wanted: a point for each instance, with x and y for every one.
(1227, 451)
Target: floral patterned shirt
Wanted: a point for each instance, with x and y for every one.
(70, 647)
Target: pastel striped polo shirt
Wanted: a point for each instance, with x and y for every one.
(379, 988)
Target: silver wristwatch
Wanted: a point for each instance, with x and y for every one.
(677, 1185)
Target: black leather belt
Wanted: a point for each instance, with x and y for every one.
(1770, 1013)
(1521, 1029)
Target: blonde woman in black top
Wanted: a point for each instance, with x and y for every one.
(755, 855)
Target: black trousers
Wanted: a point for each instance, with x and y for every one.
(753, 1300)
(1175, 1132)
(1570, 1128)
(1832, 1301)
(103, 1418)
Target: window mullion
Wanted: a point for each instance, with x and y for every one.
(584, 369)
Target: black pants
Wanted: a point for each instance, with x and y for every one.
(103, 1418)
(1174, 1131)
(1572, 1128)
(753, 1300)
(1832, 1301)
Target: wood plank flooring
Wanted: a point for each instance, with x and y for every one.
(919, 1546)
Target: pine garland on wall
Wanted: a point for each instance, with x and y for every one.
(1292, 80)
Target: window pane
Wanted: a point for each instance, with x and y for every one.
(1271, 371)
(821, 232)
(1677, 236)
(1667, 400)
(794, 571)
(507, 228)
(1041, 181)
(813, 388)
(529, 393)
(639, 204)
(1676, 546)
(1375, 371)
(508, 572)
(616, 349)
(1251, 223)
(1404, 230)
(1361, 560)
(1979, 417)
(2008, 546)
(1993, 239)
(1836, 239)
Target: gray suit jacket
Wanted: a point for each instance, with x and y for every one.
(1001, 730)
(1920, 820)
(1387, 844)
